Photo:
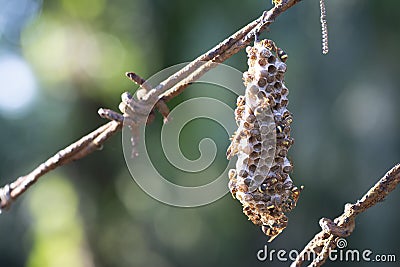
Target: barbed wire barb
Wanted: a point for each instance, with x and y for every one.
(343, 225)
(165, 91)
(132, 110)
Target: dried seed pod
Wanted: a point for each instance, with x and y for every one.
(261, 181)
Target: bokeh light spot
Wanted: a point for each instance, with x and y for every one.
(87, 9)
(17, 85)
(366, 109)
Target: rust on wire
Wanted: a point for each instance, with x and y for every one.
(343, 225)
(178, 82)
(75, 151)
(175, 84)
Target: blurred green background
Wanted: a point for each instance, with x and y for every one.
(61, 60)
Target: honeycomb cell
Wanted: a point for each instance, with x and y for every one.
(262, 62)
(250, 118)
(247, 181)
(287, 169)
(252, 140)
(263, 169)
(257, 147)
(278, 85)
(253, 89)
(252, 168)
(264, 153)
(261, 82)
(276, 168)
(243, 173)
(265, 53)
(282, 68)
(271, 59)
(270, 79)
(279, 160)
(264, 129)
(253, 155)
(282, 152)
(271, 69)
(267, 143)
(277, 98)
(261, 95)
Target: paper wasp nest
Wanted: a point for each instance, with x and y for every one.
(261, 181)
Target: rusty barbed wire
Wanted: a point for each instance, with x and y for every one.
(343, 225)
(165, 91)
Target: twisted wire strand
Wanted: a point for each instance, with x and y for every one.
(324, 26)
(5, 196)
